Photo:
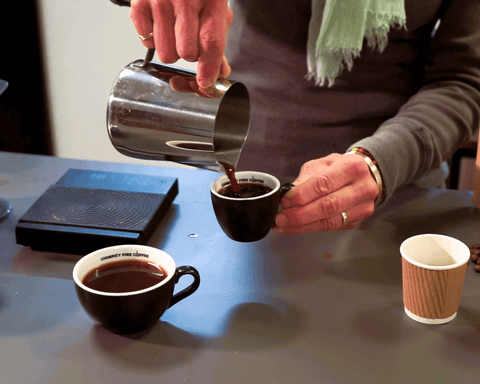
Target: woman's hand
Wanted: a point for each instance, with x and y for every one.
(324, 189)
(193, 30)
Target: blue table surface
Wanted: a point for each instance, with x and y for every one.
(314, 308)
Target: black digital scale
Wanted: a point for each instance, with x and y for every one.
(88, 210)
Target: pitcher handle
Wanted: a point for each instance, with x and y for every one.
(181, 271)
(148, 57)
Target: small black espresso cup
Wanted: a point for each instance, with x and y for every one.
(132, 310)
(247, 219)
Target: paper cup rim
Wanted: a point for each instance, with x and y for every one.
(464, 259)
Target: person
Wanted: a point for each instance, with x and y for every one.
(402, 101)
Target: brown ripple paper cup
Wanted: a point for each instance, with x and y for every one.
(433, 269)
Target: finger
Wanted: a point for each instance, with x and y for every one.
(347, 222)
(317, 226)
(164, 32)
(180, 84)
(322, 226)
(186, 33)
(225, 69)
(209, 93)
(349, 225)
(354, 216)
(212, 40)
(316, 167)
(208, 67)
(142, 20)
(332, 178)
(326, 207)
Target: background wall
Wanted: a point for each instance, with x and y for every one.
(86, 43)
(24, 120)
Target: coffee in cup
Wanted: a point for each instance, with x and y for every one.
(124, 276)
(248, 213)
(246, 190)
(127, 288)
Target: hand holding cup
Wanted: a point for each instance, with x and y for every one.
(250, 216)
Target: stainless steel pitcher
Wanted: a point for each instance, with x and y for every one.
(157, 112)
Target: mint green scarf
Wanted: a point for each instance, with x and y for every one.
(337, 29)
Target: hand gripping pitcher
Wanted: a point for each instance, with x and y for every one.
(157, 112)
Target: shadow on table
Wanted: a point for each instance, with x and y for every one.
(45, 264)
(161, 346)
(260, 326)
(433, 222)
(29, 308)
(249, 326)
(463, 337)
(347, 255)
(460, 338)
(4, 302)
(380, 325)
(374, 256)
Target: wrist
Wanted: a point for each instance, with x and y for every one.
(374, 171)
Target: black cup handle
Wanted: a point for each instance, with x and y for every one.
(285, 188)
(185, 270)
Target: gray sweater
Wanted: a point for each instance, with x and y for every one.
(410, 106)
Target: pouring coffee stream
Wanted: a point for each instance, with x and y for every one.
(153, 115)
(230, 171)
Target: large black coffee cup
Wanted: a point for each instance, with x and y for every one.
(247, 219)
(130, 303)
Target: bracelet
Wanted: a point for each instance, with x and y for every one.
(374, 171)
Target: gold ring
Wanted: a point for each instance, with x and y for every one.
(146, 37)
(344, 219)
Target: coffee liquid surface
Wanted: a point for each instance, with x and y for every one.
(246, 190)
(124, 276)
(243, 190)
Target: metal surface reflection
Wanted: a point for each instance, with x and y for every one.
(157, 112)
